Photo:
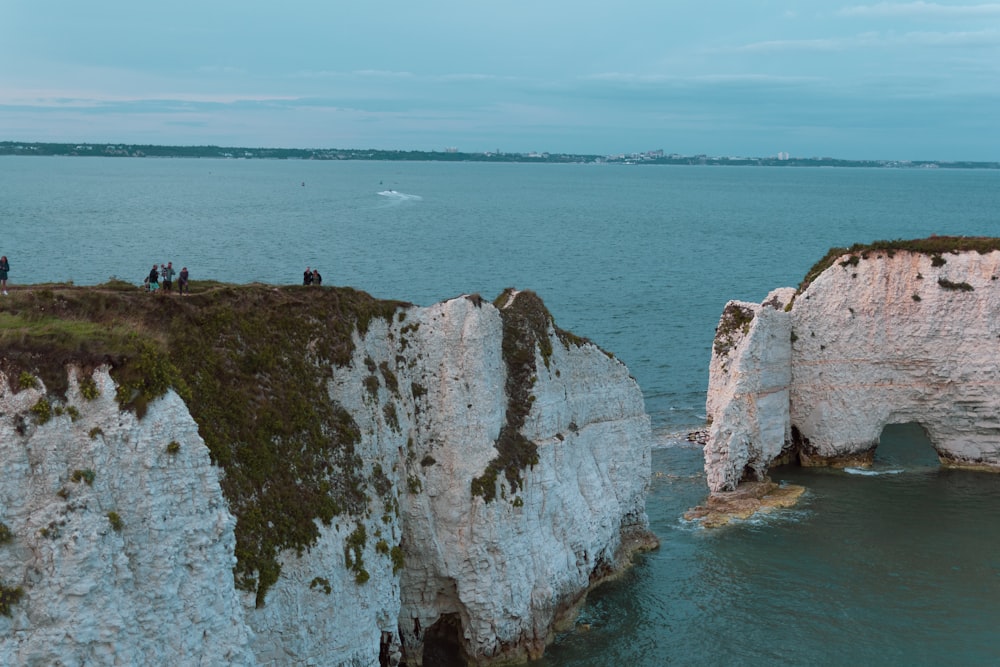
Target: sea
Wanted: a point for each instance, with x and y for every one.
(897, 565)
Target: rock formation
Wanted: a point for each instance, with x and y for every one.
(892, 332)
(477, 470)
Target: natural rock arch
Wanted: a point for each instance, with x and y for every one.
(875, 336)
(906, 443)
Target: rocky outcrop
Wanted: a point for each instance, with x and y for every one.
(890, 333)
(498, 467)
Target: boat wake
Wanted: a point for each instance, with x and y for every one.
(400, 196)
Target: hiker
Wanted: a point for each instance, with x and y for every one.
(167, 272)
(317, 279)
(153, 279)
(4, 268)
(182, 282)
(307, 277)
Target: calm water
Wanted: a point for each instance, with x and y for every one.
(902, 567)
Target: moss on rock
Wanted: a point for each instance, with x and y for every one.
(252, 362)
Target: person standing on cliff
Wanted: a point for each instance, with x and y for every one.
(4, 268)
(182, 281)
(168, 276)
(307, 277)
(154, 279)
(317, 279)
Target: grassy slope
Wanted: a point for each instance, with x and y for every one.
(251, 362)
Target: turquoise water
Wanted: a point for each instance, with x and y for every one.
(896, 568)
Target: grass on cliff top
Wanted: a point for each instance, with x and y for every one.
(252, 364)
(933, 245)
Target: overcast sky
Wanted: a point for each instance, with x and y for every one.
(895, 80)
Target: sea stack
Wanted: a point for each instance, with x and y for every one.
(877, 334)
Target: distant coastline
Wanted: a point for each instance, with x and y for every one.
(35, 148)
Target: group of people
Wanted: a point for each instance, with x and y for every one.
(312, 277)
(164, 274)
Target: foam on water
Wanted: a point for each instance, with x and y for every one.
(868, 472)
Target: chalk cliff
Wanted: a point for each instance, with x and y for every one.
(473, 472)
(892, 332)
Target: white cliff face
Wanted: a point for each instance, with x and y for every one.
(507, 568)
(428, 564)
(748, 398)
(877, 341)
(158, 590)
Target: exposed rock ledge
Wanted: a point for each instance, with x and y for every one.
(893, 332)
(481, 470)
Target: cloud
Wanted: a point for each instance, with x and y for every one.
(931, 10)
(721, 79)
(973, 38)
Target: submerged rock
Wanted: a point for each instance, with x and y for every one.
(748, 499)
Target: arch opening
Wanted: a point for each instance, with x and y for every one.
(443, 643)
(906, 445)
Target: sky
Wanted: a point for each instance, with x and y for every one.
(877, 80)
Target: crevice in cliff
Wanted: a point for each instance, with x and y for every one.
(525, 328)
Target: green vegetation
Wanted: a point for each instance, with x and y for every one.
(935, 246)
(88, 388)
(322, 583)
(173, 447)
(252, 362)
(396, 556)
(27, 381)
(83, 476)
(6, 535)
(947, 284)
(735, 321)
(115, 521)
(9, 597)
(42, 410)
(353, 556)
(391, 383)
(526, 326)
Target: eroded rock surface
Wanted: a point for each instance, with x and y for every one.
(878, 337)
(443, 556)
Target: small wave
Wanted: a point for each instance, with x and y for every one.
(402, 196)
(867, 472)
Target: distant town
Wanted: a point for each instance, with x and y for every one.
(781, 159)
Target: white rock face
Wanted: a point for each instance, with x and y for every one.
(157, 591)
(444, 567)
(876, 342)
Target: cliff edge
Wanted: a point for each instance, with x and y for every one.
(260, 476)
(878, 334)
